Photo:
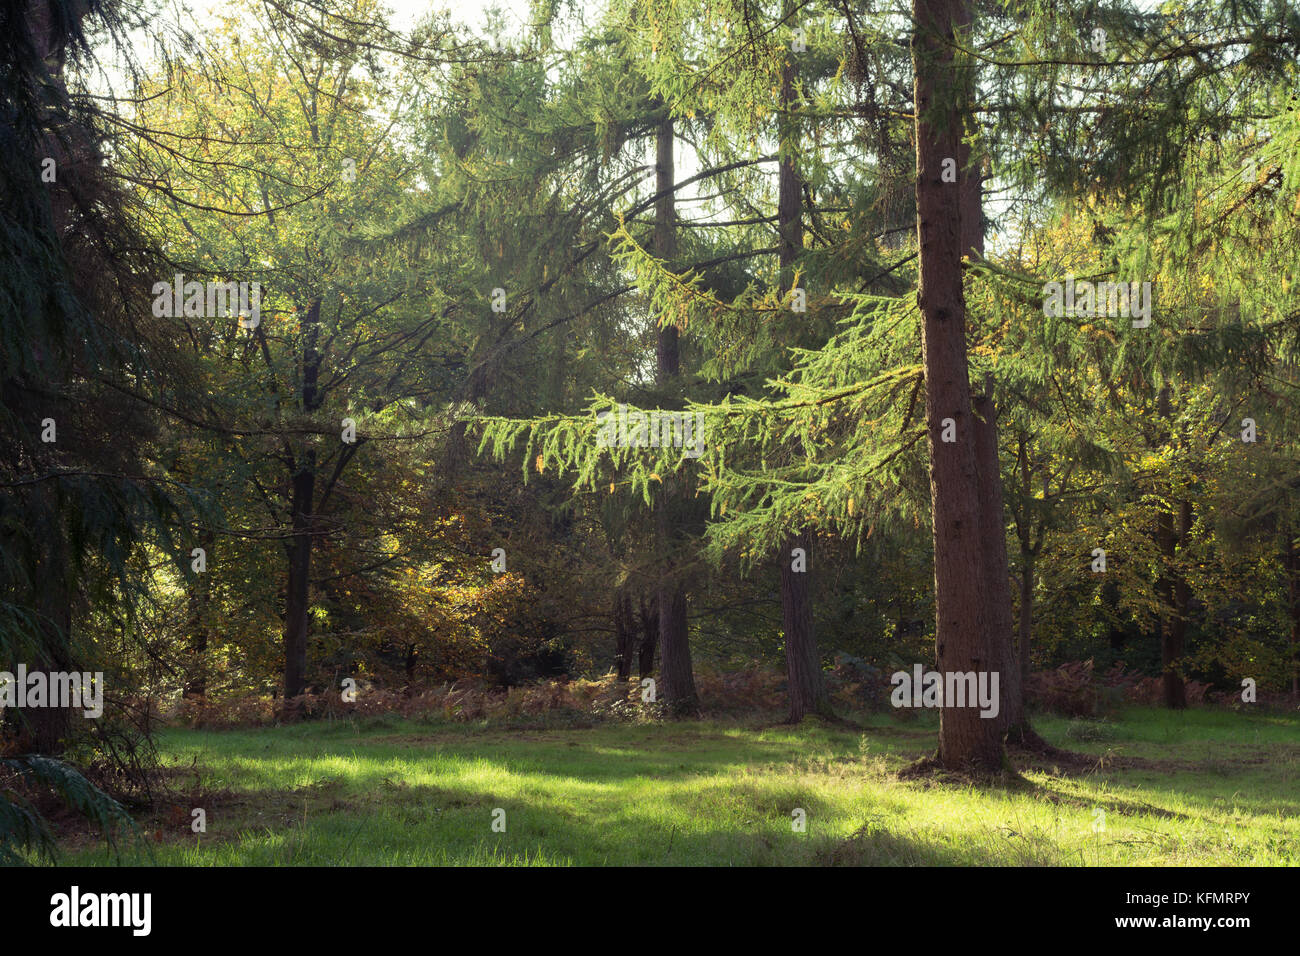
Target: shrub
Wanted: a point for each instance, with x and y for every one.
(1068, 690)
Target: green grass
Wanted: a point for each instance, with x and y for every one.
(1207, 788)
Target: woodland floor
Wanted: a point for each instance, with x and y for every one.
(1201, 787)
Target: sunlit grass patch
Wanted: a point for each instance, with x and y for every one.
(1197, 788)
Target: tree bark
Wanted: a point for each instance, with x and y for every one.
(997, 584)
(624, 634)
(667, 357)
(412, 659)
(1012, 671)
(964, 638)
(301, 509)
(677, 678)
(197, 683)
(1177, 595)
(645, 664)
(296, 600)
(806, 686)
(1028, 561)
(48, 727)
(1292, 560)
(1172, 589)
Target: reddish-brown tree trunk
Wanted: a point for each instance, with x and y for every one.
(997, 586)
(964, 636)
(1012, 675)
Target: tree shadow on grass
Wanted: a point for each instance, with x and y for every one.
(875, 844)
(1111, 804)
(757, 832)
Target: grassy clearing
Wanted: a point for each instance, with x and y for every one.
(1196, 788)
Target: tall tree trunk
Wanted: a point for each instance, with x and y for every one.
(677, 678)
(997, 587)
(1177, 595)
(49, 726)
(1028, 565)
(964, 638)
(412, 659)
(624, 634)
(1293, 586)
(997, 584)
(302, 501)
(645, 663)
(1173, 624)
(1028, 560)
(300, 547)
(196, 684)
(807, 687)
(675, 674)
(1115, 635)
(667, 358)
